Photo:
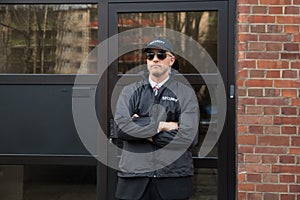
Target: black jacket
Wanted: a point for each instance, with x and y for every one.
(169, 154)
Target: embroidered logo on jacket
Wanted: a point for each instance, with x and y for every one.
(166, 98)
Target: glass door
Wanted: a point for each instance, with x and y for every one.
(205, 24)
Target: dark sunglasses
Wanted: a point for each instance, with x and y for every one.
(161, 55)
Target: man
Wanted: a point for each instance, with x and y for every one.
(154, 115)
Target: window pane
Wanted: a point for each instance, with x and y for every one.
(201, 26)
(47, 182)
(205, 185)
(44, 39)
(208, 118)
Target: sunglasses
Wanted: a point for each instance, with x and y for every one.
(161, 55)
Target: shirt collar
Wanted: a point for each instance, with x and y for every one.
(152, 83)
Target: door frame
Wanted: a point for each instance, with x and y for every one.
(225, 163)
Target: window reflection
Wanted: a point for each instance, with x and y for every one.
(201, 26)
(44, 39)
(47, 182)
(208, 118)
(205, 185)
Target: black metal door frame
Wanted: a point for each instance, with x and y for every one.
(225, 163)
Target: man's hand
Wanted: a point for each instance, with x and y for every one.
(167, 126)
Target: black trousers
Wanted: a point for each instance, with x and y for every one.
(154, 188)
(151, 192)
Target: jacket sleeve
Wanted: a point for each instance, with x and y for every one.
(129, 128)
(163, 138)
(187, 134)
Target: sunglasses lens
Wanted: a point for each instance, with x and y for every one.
(160, 55)
(150, 55)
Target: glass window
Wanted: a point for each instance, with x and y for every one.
(205, 185)
(208, 118)
(47, 182)
(201, 26)
(36, 39)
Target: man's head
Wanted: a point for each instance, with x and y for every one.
(160, 58)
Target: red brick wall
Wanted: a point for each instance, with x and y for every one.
(268, 83)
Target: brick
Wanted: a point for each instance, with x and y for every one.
(287, 159)
(287, 120)
(296, 37)
(242, 46)
(272, 92)
(242, 195)
(246, 187)
(295, 65)
(256, 46)
(254, 110)
(295, 102)
(245, 149)
(289, 56)
(295, 151)
(242, 129)
(271, 150)
(290, 74)
(242, 92)
(243, 73)
(273, 140)
(243, 18)
(287, 178)
(295, 140)
(254, 195)
(291, 29)
(241, 177)
(253, 177)
(291, 47)
(272, 129)
(246, 101)
(275, 10)
(255, 92)
(269, 158)
(288, 130)
(265, 120)
(247, 64)
(287, 197)
(289, 111)
(291, 10)
(271, 110)
(248, 2)
(259, 83)
(295, 188)
(287, 83)
(275, 38)
(246, 139)
(289, 92)
(247, 37)
(274, 46)
(271, 101)
(261, 19)
(270, 178)
(275, 2)
(259, 10)
(257, 73)
(258, 29)
(286, 169)
(273, 74)
(252, 158)
(272, 64)
(243, 9)
(274, 28)
(271, 188)
(288, 19)
(257, 168)
(256, 129)
(271, 196)
(243, 28)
